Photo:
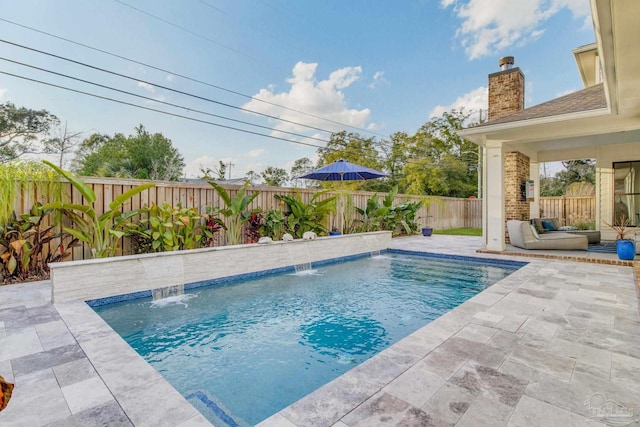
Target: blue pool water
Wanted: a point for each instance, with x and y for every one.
(242, 351)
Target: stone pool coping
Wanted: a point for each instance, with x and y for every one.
(106, 277)
(527, 351)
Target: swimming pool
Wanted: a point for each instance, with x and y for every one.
(241, 351)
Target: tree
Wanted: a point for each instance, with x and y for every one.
(439, 161)
(575, 171)
(300, 167)
(62, 144)
(274, 177)
(141, 156)
(253, 178)
(218, 173)
(20, 128)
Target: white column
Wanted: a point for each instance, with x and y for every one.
(493, 197)
(534, 174)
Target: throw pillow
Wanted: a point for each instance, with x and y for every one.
(548, 225)
(567, 228)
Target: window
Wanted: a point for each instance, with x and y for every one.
(626, 192)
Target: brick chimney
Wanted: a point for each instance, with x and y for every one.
(506, 90)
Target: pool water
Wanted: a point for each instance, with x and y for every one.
(240, 352)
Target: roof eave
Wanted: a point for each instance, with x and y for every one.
(478, 134)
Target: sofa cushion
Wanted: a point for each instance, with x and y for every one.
(548, 225)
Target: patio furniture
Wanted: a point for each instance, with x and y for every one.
(524, 235)
(544, 225)
(592, 235)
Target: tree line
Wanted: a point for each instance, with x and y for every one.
(435, 160)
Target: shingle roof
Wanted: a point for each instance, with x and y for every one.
(591, 98)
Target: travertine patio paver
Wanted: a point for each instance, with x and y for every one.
(556, 343)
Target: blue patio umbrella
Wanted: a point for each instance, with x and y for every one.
(343, 170)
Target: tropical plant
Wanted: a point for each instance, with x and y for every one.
(374, 214)
(402, 219)
(24, 245)
(274, 224)
(235, 211)
(302, 217)
(253, 226)
(21, 181)
(167, 228)
(101, 233)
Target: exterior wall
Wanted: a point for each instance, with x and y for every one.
(516, 170)
(506, 93)
(605, 158)
(100, 278)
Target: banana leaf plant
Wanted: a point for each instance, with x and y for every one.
(236, 211)
(302, 217)
(373, 215)
(101, 233)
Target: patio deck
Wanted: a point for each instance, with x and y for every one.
(555, 343)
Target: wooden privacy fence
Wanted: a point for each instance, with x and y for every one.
(570, 210)
(442, 212)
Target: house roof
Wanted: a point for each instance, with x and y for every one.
(591, 98)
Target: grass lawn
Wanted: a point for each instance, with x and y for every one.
(460, 231)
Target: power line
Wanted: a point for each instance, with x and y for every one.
(202, 98)
(157, 111)
(124, 58)
(157, 100)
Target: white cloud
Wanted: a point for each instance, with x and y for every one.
(471, 102)
(322, 98)
(490, 26)
(256, 153)
(378, 78)
(146, 86)
(3, 92)
(169, 77)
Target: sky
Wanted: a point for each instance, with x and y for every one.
(278, 75)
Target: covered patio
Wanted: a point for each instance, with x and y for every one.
(599, 122)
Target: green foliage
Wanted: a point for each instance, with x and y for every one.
(235, 210)
(20, 128)
(20, 178)
(167, 228)
(274, 177)
(274, 224)
(443, 163)
(142, 156)
(375, 214)
(574, 171)
(402, 219)
(24, 245)
(302, 217)
(101, 232)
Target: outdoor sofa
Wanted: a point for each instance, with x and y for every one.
(553, 225)
(524, 235)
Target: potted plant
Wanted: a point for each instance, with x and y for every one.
(626, 249)
(426, 230)
(334, 232)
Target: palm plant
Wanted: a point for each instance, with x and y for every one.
(101, 232)
(235, 211)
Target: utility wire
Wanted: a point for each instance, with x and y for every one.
(158, 111)
(153, 67)
(157, 100)
(202, 98)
